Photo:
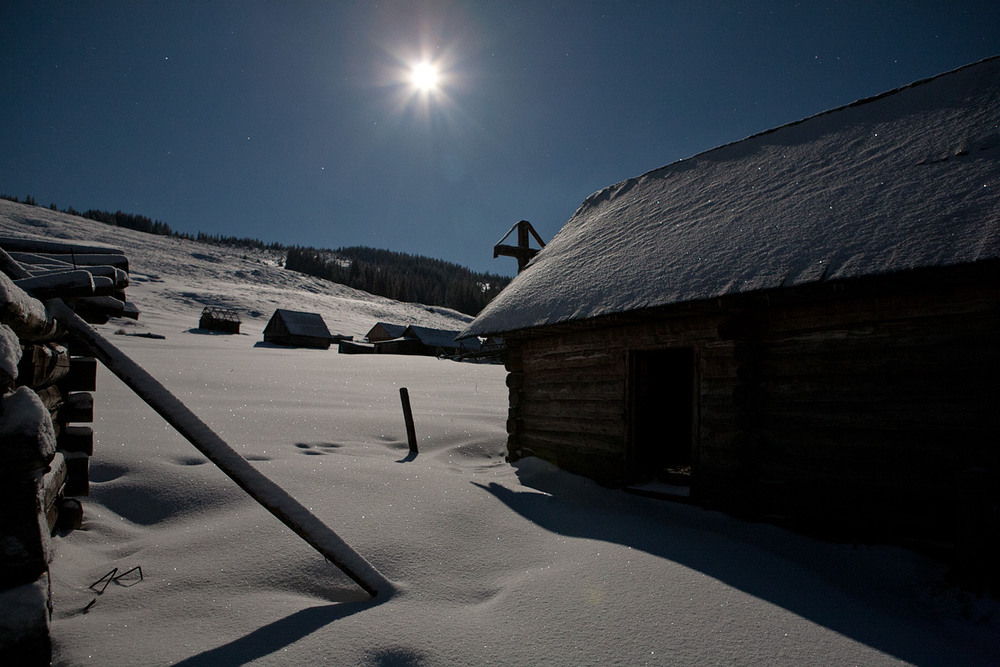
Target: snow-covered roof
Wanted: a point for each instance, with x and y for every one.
(303, 324)
(386, 331)
(434, 337)
(904, 180)
(219, 313)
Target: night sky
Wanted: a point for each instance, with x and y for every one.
(297, 122)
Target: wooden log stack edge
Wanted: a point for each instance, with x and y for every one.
(46, 406)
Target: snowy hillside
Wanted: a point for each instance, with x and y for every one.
(181, 277)
(494, 563)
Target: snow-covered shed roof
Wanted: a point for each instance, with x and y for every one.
(221, 314)
(904, 180)
(302, 324)
(385, 331)
(442, 338)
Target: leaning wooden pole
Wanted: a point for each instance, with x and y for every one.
(275, 499)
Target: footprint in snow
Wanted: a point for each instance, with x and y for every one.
(316, 448)
(190, 460)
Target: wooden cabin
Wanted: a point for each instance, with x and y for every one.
(385, 331)
(293, 328)
(225, 320)
(802, 326)
(441, 342)
(427, 341)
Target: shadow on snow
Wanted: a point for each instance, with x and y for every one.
(275, 636)
(834, 585)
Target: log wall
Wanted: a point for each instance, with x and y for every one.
(568, 391)
(873, 411)
(862, 410)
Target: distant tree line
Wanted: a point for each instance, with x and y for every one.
(139, 223)
(400, 276)
(395, 275)
(142, 223)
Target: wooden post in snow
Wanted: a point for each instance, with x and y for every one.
(411, 433)
(271, 496)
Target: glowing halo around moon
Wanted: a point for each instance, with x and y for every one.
(422, 83)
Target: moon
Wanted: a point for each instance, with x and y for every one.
(425, 77)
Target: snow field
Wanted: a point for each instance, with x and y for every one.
(497, 564)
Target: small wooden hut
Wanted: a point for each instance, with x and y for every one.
(385, 331)
(215, 318)
(427, 341)
(293, 328)
(801, 326)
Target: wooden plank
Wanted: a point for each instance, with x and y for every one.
(82, 375)
(119, 277)
(98, 309)
(718, 416)
(899, 390)
(64, 284)
(77, 407)
(38, 246)
(948, 394)
(553, 448)
(588, 344)
(567, 390)
(720, 391)
(76, 440)
(571, 441)
(589, 356)
(32, 261)
(583, 412)
(605, 469)
(614, 429)
(836, 485)
(717, 454)
(117, 260)
(869, 466)
(845, 349)
(572, 375)
(610, 438)
(77, 474)
(717, 367)
(595, 364)
(515, 381)
(688, 331)
(874, 309)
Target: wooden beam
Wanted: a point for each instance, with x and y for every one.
(523, 252)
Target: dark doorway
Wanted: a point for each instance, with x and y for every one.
(661, 388)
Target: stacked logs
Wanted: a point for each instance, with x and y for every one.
(45, 402)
